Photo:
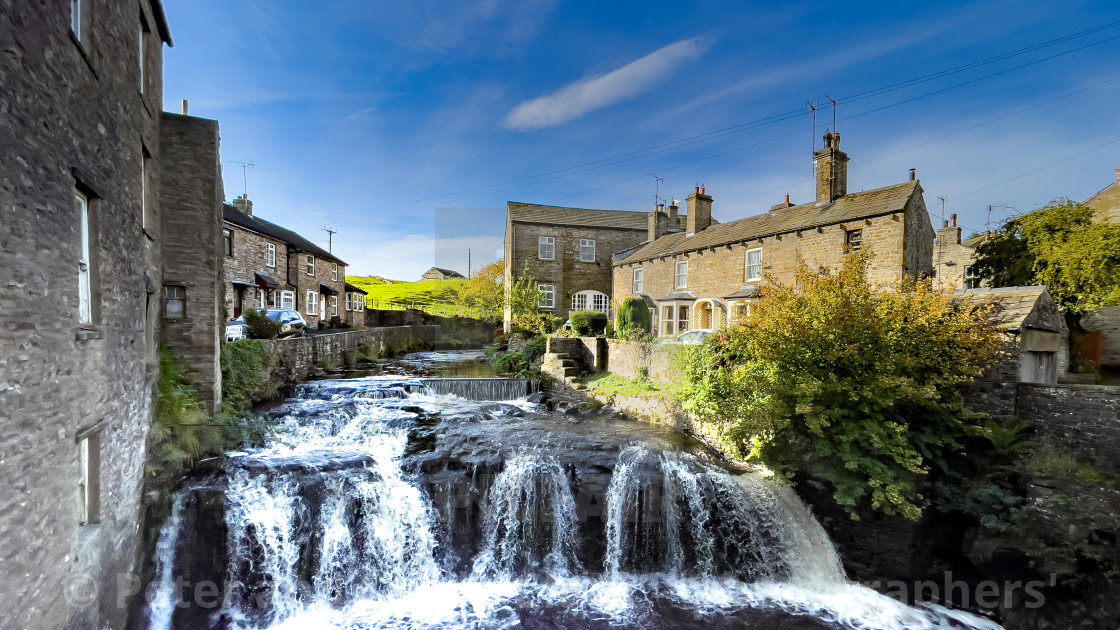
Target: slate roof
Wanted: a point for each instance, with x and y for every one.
(297, 242)
(975, 241)
(848, 208)
(353, 289)
(555, 215)
(447, 272)
(1013, 305)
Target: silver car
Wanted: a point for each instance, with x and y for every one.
(691, 337)
(292, 324)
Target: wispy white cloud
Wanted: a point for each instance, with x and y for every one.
(589, 94)
(361, 112)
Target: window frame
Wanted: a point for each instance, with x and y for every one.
(227, 242)
(668, 320)
(262, 299)
(333, 301)
(85, 262)
(684, 323)
(142, 46)
(677, 284)
(542, 242)
(747, 268)
(312, 305)
(587, 243)
(853, 244)
(548, 290)
(638, 280)
(180, 296)
(288, 300)
(81, 21)
(89, 479)
(334, 272)
(309, 263)
(270, 255)
(145, 189)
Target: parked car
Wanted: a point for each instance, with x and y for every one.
(691, 337)
(292, 324)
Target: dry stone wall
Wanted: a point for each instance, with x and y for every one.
(295, 359)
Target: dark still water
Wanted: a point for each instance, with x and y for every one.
(390, 501)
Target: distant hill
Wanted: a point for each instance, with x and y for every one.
(434, 296)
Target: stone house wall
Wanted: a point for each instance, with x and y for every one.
(1106, 203)
(248, 259)
(192, 241)
(73, 117)
(950, 258)
(566, 272)
(1106, 321)
(304, 282)
(294, 359)
(637, 360)
(1083, 419)
(901, 242)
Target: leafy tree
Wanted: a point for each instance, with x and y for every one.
(1058, 245)
(485, 291)
(634, 317)
(857, 383)
(260, 326)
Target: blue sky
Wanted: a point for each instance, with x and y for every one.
(406, 126)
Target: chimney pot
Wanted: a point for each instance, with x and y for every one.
(699, 215)
(944, 224)
(913, 174)
(697, 189)
(953, 220)
(831, 166)
(186, 108)
(702, 191)
(787, 199)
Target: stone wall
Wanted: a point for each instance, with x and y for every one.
(637, 360)
(1106, 321)
(1084, 419)
(74, 119)
(950, 257)
(293, 360)
(192, 245)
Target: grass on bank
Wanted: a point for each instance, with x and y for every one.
(607, 385)
(436, 297)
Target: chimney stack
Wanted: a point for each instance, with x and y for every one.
(949, 232)
(243, 205)
(674, 219)
(913, 174)
(656, 226)
(832, 170)
(699, 215)
(186, 108)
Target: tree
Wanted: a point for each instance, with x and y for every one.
(484, 292)
(634, 318)
(1058, 245)
(856, 383)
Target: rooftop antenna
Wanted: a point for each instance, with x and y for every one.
(330, 238)
(940, 244)
(245, 166)
(657, 189)
(813, 108)
(835, 106)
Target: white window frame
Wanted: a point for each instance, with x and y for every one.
(227, 243)
(683, 321)
(262, 299)
(310, 265)
(89, 475)
(334, 272)
(145, 160)
(312, 306)
(679, 276)
(288, 300)
(740, 310)
(270, 255)
(349, 300)
(639, 280)
(77, 10)
(547, 298)
(753, 271)
(546, 244)
(333, 301)
(587, 250)
(359, 302)
(143, 45)
(668, 319)
(600, 302)
(579, 301)
(85, 282)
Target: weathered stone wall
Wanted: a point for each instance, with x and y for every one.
(247, 260)
(566, 272)
(1107, 322)
(636, 360)
(1106, 203)
(1084, 419)
(294, 359)
(192, 241)
(721, 271)
(72, 116)
(950, 257)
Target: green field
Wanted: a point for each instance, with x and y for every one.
(433, 296)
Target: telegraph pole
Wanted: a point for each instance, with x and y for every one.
(468, 263)
(330, 238)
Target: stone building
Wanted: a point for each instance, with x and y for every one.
(268, 266)
(1101, 345)
(1106, 203)
(355, 313)
(1035, 349)
(438, 273)
(953, 258)
(568, 251)
(80, 290)
(710, 274)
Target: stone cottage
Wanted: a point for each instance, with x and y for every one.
(355, 314)
(1035, 349)
(88, 192)
(1102, 343)
(438, 273)
(710, 274)
(568, 252)
(268, 266)
(953, 258)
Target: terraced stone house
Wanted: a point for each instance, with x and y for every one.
(268, 266)
(710, 274)
(568, 252)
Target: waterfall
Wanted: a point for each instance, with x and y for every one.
(364, 510)
(482, 388)
(530, 513)
(163, 603)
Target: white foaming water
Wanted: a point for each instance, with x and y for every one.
(529, 494)
(163, 603)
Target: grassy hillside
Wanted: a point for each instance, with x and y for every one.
(434, 296)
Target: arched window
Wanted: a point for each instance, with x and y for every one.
(590, 301)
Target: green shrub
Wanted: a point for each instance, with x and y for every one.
(586, 323)
(535, 349)
(634, 317)
(243, 365)
(181, 433)
(260, 326)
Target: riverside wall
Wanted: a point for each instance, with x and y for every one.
(295, 359)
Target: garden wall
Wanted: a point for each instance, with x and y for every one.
(636, 360)
(293, 360)
(1084, 419)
